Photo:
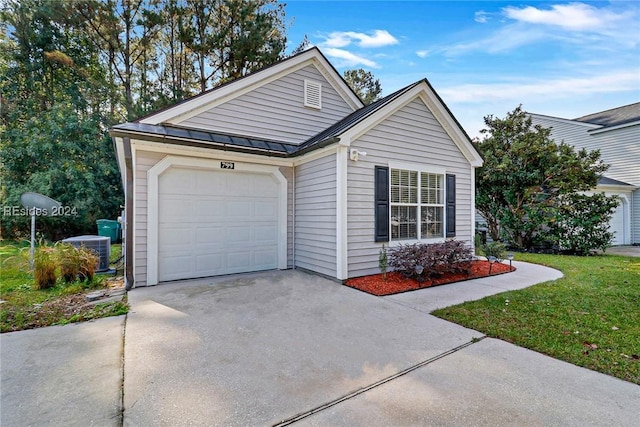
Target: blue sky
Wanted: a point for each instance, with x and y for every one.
(564, 59)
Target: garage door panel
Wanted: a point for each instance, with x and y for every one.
(174, 267)
(216, 222)
(266, 209)
(212, 208)
(239, 260)
(265, 234)
(265, 257)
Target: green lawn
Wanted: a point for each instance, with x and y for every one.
(590, 317)
(26, 307)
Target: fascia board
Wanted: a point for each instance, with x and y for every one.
(610, 128)
(209, 153)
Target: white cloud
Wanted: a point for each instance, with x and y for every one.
(348, 59)
(572, 16)
(378, 38)
(481, 16)
(423, 53)
(520, 92)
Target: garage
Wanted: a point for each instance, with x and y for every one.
(214, 221)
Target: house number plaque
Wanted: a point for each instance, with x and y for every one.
(227, 165)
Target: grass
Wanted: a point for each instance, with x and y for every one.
(590, 317)
(26, 307)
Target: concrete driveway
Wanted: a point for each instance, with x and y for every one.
(281, 347)
(286, 347)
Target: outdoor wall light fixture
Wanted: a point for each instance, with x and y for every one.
(510, 258)
(491, 259)
(355, 153)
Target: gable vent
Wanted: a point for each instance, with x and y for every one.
(312, 94)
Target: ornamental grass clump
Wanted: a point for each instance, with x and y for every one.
(422, 261)
(44, 268)
(70, 261)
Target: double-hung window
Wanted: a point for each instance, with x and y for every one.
(416, 204)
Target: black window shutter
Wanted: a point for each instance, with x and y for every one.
(451, 205)
(382, 204)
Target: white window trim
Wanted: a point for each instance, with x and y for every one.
(420, 168)
(153, 175)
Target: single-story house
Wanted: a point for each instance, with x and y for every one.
(616, 133)
(286, 168)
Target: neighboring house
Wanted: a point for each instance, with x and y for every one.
(286, 168)
(616, 133)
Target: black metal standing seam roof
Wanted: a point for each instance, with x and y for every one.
(205, 138)
(614, 117)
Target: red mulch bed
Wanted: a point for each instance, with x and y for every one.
(396, 282)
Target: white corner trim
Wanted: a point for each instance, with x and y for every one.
(341, 214)
(153, 175)
(473, 208)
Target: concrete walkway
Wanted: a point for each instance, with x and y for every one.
(286, 347)
(62, 375)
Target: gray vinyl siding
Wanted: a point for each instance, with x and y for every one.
(315, 215)
(412, 135)
(619, 148)
(288, 174)
(145, 160)
(276, 111)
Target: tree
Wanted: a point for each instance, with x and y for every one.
(364, 84)
(52, 121)
(526, 176)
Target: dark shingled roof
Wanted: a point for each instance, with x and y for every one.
(613, 117)
(610, 181)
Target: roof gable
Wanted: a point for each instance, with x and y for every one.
(349, 130)
(193, 106)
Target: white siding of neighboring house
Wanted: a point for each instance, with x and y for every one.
(411, 135)
(315, 215)
(275, 111)
(619, 148)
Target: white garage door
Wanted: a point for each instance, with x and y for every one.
(616, 225)
(213, 222)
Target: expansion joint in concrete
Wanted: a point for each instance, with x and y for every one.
(359, 391)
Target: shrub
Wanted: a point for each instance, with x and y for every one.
(70, 260)
(88, 263)
(495, 249)
(422, 261)
(581, 224)
(44, 268)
